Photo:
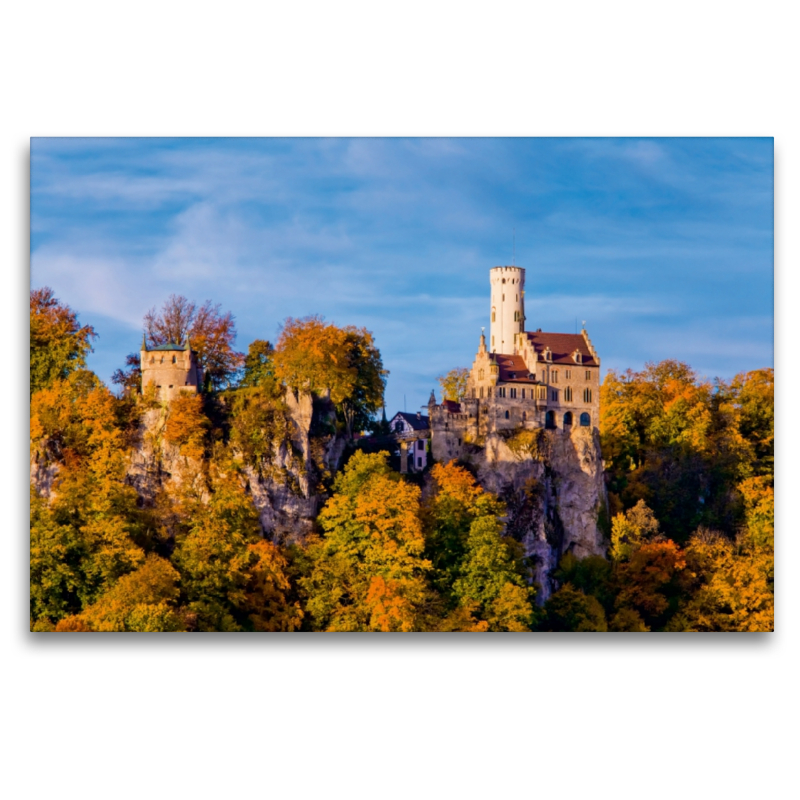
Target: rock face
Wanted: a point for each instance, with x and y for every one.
(287, 488)
(552, 484)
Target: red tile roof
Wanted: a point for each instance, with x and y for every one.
(562, 346)
(512, 368)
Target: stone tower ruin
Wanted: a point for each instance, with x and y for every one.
(171, 367)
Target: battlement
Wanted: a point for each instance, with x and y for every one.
(173, 368)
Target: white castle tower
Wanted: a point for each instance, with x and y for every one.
(508, 308)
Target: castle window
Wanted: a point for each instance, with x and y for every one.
(420, 445)
(170, 386)
(523, 394)
(152, 359)
(419, 462)
(492, 336)
(513, 393)
(494, 319)
(459, 442)
(512, 375)
(504, 298)
(567, 373)
(586, 420)
(554, 376)
(568, 418)
(506, 414)
(174, 360)
(587, 395)
(568, 394)
(501, 392)
(516, 316)
(162, 359)
(481, 391)
(588, 374)
(550, 419)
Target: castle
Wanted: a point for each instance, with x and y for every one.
(522, 380)
(171, 367)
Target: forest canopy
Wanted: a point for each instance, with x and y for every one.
(689, 523)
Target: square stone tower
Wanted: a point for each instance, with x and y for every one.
(171, 367)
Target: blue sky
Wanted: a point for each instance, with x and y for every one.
(664, 246)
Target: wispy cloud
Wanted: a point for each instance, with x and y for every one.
(657, 243)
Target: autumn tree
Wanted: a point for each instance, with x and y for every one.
(142, 601)
(454, 384)
(212, 335)
(59, 344)
(632, 529)
(569, 609)
(681, 443)
(453, 504)
(231, 579)
(129, 379)
(187, 424)
(342, 364)
(368, 570)
(90, 532)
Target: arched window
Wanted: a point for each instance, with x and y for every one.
(588, 374)
(568, 394)
(554, 376)
(550, 419)
(513, 393)
(586, 420)
(587, 395)
(506, 413)
(568, 418)
(494, 318)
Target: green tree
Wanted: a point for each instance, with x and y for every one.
(368, 571)
(489, 580)
(59, 344)
(569, 609)
(454, 384)
(259, 367)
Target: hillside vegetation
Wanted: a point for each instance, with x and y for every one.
(689, 474)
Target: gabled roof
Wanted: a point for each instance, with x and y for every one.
(512, 368)
(562, 346)
(420, 423)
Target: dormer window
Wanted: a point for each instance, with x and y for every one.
(512, 375)
(548, 354)
(577, 356)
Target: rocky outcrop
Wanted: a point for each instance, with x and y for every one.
(552, 484)
(288, 488)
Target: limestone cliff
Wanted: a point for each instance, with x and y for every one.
(288, 485)
(552, 484)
